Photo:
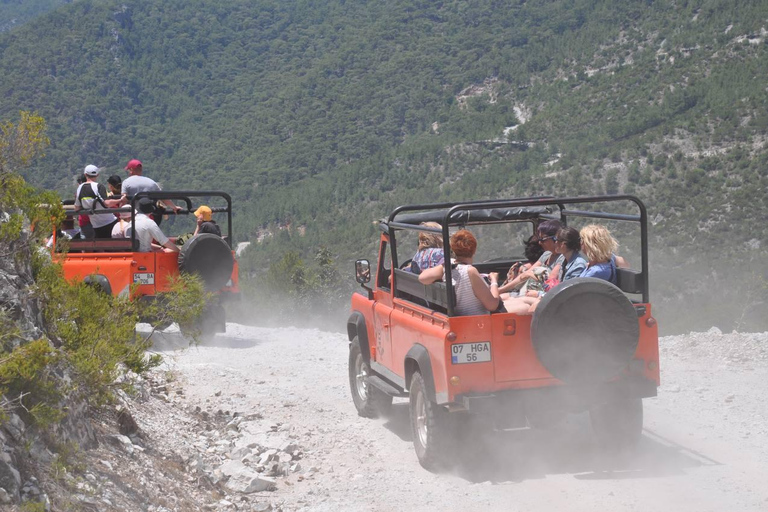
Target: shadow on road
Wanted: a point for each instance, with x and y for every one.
(483, 454)
(174, 340)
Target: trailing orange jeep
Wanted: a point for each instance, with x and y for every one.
(118, 268)
(590, 345)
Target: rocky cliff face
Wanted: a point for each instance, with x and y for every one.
(23, 448)
(15, 282)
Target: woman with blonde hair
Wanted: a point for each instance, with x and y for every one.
(598, 246)
(430, 252)
(473, 295)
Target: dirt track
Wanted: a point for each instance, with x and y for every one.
(705, 446)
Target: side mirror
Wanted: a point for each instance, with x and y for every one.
(362, 271)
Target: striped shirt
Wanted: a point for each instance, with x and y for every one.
(466, 302)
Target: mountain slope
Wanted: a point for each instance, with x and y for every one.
(329, 114)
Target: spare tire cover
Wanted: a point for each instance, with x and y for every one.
(208, 256)
(585, 330)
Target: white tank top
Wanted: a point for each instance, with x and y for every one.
(466, 302)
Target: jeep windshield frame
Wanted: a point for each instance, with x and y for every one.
(167, 195)
(460, 214)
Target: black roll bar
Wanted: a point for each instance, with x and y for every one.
(560, 203)
(169, 195)
(185, 195)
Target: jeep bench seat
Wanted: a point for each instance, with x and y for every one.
(101, 245)
(434, 296)
(629, 281)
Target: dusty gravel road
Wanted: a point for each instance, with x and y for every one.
(705, 446)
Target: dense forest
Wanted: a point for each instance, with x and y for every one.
(320, 117)
(14, 13)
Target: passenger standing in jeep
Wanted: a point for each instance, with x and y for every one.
(473, 295)
(136, 183)
(90, 196)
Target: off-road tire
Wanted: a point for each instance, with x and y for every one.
(432, 428)
(370, 401)
(618, 425)
(585, 331)
(208, 256)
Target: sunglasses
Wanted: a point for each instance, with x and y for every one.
(545, 238)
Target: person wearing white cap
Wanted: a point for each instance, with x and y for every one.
(90, 196)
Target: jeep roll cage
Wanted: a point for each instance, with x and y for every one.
(461, 214)
(162, 195)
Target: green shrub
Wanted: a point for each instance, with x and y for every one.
(96, 331)
(27, 380)
(91, 334)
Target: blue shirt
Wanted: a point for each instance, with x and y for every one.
(427, 258)
(574, 268)
(605, 271)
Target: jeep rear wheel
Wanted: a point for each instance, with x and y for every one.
(370, 401)
(431, 427)
(619, 424)
(204, 329)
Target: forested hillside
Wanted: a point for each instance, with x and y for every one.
(319, 117)
(14, 13)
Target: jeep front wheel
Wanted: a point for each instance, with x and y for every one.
(432, 432)
(370, 401)
(618, 424)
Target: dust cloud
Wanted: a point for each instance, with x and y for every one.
(704, 445)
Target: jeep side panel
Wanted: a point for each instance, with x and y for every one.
(166, 265)
(118, 268)
(151, 271)
(415, 325)
(381, 344)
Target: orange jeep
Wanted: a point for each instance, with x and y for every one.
(589, 345)
(115, 265)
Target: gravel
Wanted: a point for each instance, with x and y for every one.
(262, 419)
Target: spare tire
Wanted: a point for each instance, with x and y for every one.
(208, 256)
(585, 331)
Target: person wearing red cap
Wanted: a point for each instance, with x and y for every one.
(136, 183)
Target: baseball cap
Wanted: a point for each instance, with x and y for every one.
(204, 212)
(146, 205)
(91, 170)
(133, 164)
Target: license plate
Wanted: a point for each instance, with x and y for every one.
(144, 278)
(478, 352)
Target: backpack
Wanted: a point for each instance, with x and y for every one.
(89, 203)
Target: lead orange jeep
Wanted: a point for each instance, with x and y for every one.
(116, 266)
(590, 345)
